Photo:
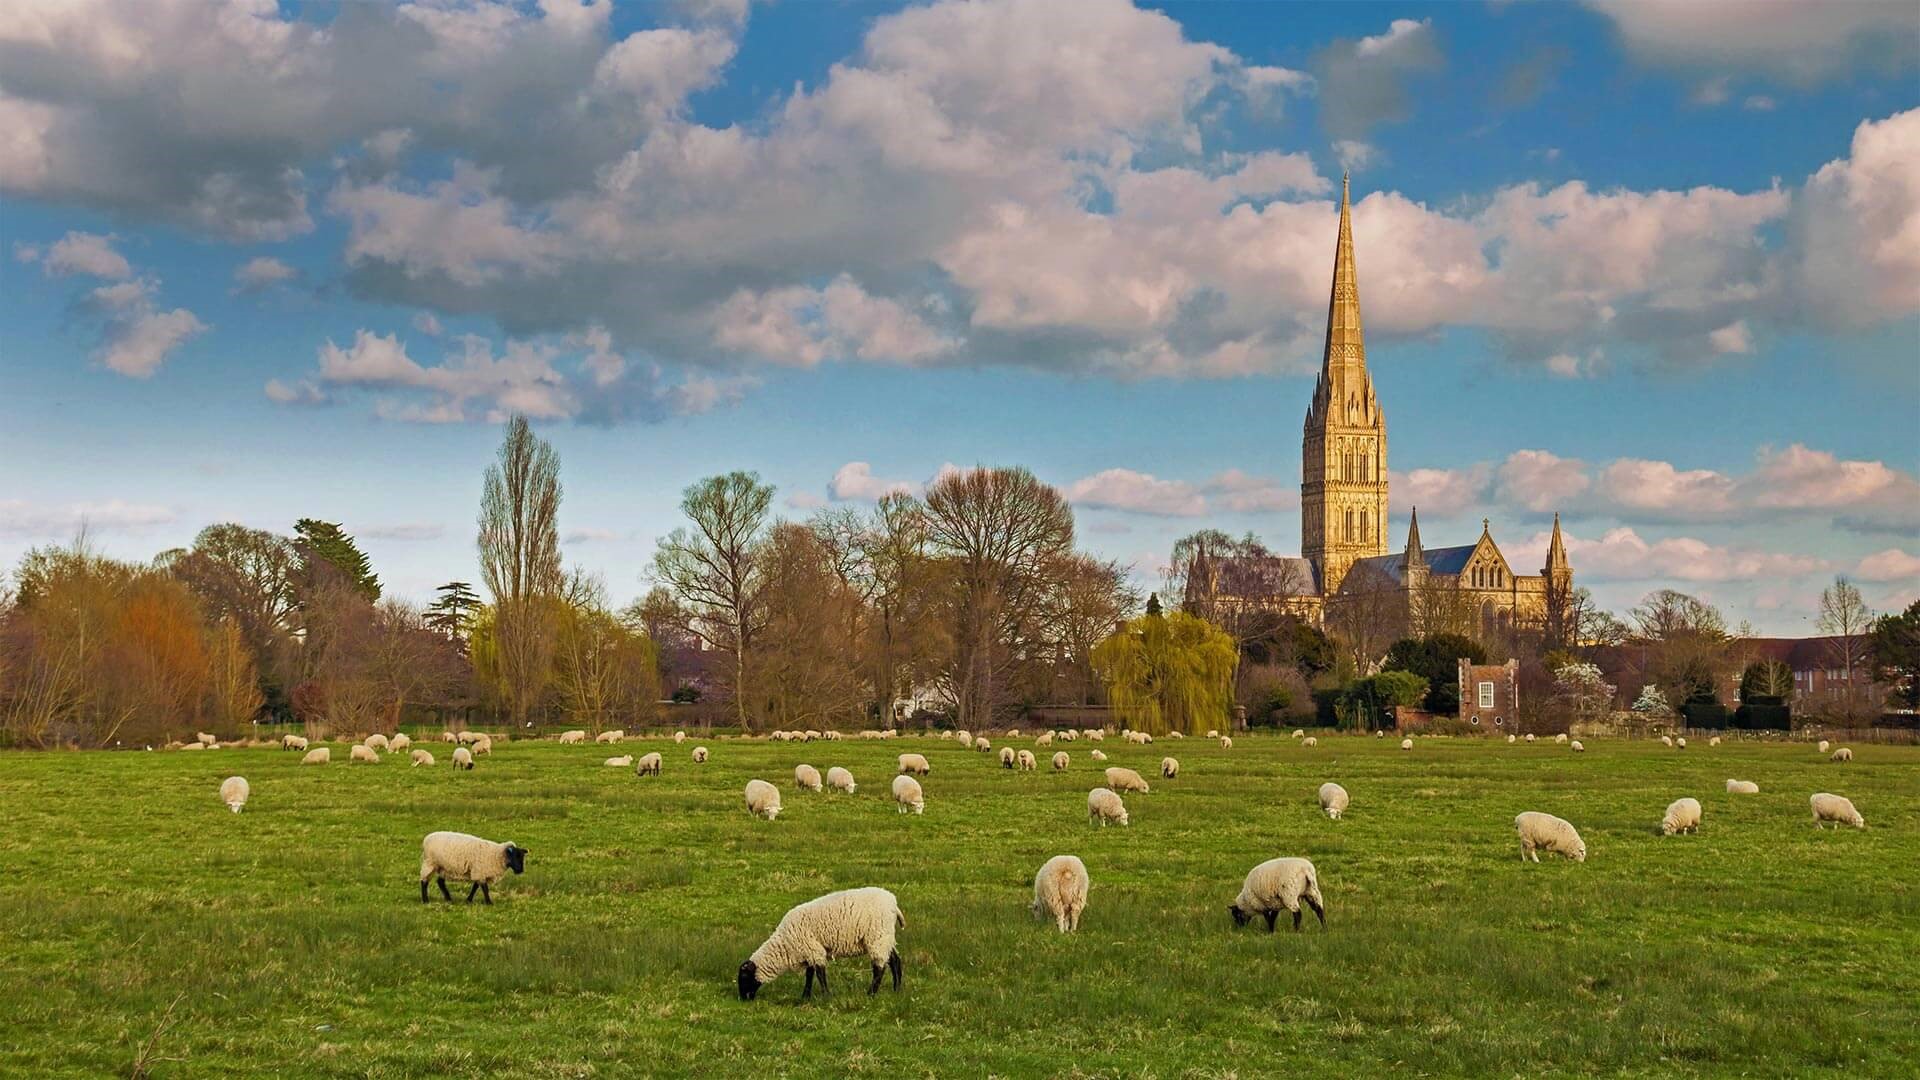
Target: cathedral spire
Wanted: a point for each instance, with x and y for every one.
(1556, 551)
(1415, 555)
(1346, 347)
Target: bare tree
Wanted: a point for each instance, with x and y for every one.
(1368, 614)
(604, 670)
(233, 685)
(520, 561)
(1846, 619)
(1237, 585)
(714, 568)
(1688, 640)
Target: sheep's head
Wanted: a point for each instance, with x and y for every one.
(749, 980)
(1580, 851)
(516, 858)
(1239, 917)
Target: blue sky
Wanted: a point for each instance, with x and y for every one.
(1655, 266)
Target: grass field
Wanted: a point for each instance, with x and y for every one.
(143, 922)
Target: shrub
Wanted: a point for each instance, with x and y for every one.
(1755, 716)
(1704, 714)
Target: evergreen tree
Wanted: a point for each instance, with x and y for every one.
(327, 541)
(449, 613)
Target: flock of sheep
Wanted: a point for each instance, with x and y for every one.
(864, 921)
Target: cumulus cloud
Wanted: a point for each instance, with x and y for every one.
(1245, 493)
(1441, 493)
(1732, 338)
(1622, 554)
(20, 518)
(1892, 564)
(801, 327)
(78, 253)
(1858, 227)
(262, 272)
(1363, 83)
(588, 535)
(1640, 488)
(1541, 481)
(1803, 40)
(855, 481)
(136, 336)
(427, 323)
(1864, 495)
(1138, 492)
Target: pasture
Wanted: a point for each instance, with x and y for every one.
(148, 931)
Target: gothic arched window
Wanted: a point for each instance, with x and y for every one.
(1346, 529)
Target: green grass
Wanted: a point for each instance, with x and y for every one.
(289, 940)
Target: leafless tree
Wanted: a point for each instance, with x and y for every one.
(520, 561)
(714, 570)
(1846, 619)
(1367, 615)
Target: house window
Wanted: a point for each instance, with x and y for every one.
(1486, 695)
(1476, 720)
(1499, 721)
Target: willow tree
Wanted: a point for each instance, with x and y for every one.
(1169, 673)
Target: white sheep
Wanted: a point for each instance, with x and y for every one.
(462, 758)
(1299, 733)
(612, 736)
(233, 792)
(908, 796)
(569, 738)
(1715, 741)
(1742, 787)
(1666, 741)
(981, 744)
(419, 757)
(679, 737)
(1120, 779)
(468, 737)
(1577, 746)
(1060, 891)
(1560, 738)
(400, 742)
(1510, 740)
(649, 764)
(1529, 736)
(1096, 734)
(1277, 884)
(462, 857)
(1842, 754)
(1837, 809)
(1099, 755)
(763, 799)
(1006, 757)
(378, 742)
(806, 778)
(362, 752)
(1013, 733)
(831, 735)
(854, 922)
(1060, 760)
(194, 746)
(699, 755)
(1025, 760)
(1045, 738)
(448, 736)
(964, 736)
(1680, 743)
(205, 738)
(1333, 800)
(1683, 815)
(293, 742)
(1544, 832)
(810, 735)
(1406, 744)
(620, 762)
(1823, 745)
(840, 779)
(1170, 768)
(1103, 805)
(319, 755)
(1226, 742)
(483, 744)
(1310, 741)
(1213, 733)
(915, 763)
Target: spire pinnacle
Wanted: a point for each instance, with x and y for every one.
(1415, 556)
(1556, 550)
(1346, 348)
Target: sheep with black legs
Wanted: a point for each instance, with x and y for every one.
(462, 758)
(853, 922)
(648, 765)
(1277, 884)
(1170, 768)
(699, 755)
(462, 857)
(293, 742)
(1006, 757)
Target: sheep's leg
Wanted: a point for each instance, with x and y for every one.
(1272, 917)
(470, 892)
(823, 978)
(443, 889)
(423, 890)
(893, 962)
(1318, 911)
(807, 994)
(878, 971)
(486, 892)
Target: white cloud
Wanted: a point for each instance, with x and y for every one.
(1803, 40)
(1541, 481)
(86, 253)
(262, 272)
(1892, 564)
(805, 500)
(405, 530)
(1760, 103)
(589, 535)
(1441, 493)
(1621, 554)
(427, 323)
(801, 327)
(1569, 366)
(855, 480)
(136, 337)
(1641, 488)
(1865, 495)
(19, 518)
(1244, 493)
(1141, 493)
(1857, 224)
(1732, 338)
(1355, 155)
(1363, 83)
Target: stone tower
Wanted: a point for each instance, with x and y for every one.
(1343, 454)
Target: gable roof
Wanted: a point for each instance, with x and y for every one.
(1446, 560)
(1288, 575)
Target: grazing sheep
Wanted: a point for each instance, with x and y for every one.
(831, 736)
(907, 794)
(400, 742)
(1006, 757)
(699, 755)
(1213, 733)
(1277, 884)
(612, 736)
(1666, 741)
(1299, 733)
(1170, 768)
(364, 753)
(1742, 787)
(1823, 745)
(1842, 754)
(1577, 746)
(840, 779)
(620, 762)
(763, 799)
(378, 742)
(462, 758)
(649, 764)
(1510, 740)
(854, 922)
(1406, 744)
(1096, 734)
(1560, 738)
(1382, 735)
(1529, 736)
(1715, 741)
(419, 757)
(462, 857)
(468, 737)
(293, 742)
(483, 744)
(1310, 741)
(1141, 737)
(1683, 815)
(1025, 760)
(1226, 742)
(1837, 809)
(233, 792)
(319, 755)
(448, 736)
(1120, 779)
(679, 737)
(915, 763)
(1544, 832)
(1680, 743)
(1060, 891)
(1175, 735)
(1066, 735)
(1103, 805)
(1099, 755)
(205, 738)
(1045, 738)
(810, 735)
(806, 778)
(1333, 799)
(1060, 760)
(981, 744)
(569, 738)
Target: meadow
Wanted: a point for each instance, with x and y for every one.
(148, 931)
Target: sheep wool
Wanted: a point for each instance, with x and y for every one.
(620, 762)
(1667, 741)
(1715, 741)
(1333, 800)
(448, 736)
(1120, 779)
(806, 778)
(483, 744)
(419, 757)
(1060, 891)
(811, 735)
(319, 755)
(1577, 746)
(908, 796)
(1560, 738)
(679, 737)
(1742, 787)
(1824, 744)
(293, 742)
(1025, 760)
(1406, 744)
(462, 758)
(1099, 755)
(1299, 733)
(1837, 809)
(467, 737)
(569, 738)
(400, 742)
(205, 738)
(233, 792)
(1529, 736)
(1006, 757)
(763, 799)
(1096, 734)
(1310, 741)
(1169, 767)
(965, 737)
(699, 755)
(853, 922)
(1213, 733)
(840, 779)
(1226, 742)
(981, 744)
(1060, 760)
(1683, 815)
(1275, 885)
(1680, 743)
(1045, 738)
(468, 858)
(1510, 740)
(364, 753)
(1104, 806)
(1544, 832)
(649, 764)
(915, 763)
(612, 736)
(378, 742)
(1842, 754)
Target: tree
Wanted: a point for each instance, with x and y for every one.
(1169, 673)
(1367, 614)
(1436, 658)
(715, 570)
(1766, 682)
(1088, 597)
(1846, 619)
(1652, 702)
(327, 540)
(1688, 642)
(448, 615)
(605, 672)
(805, 667)
(1371, 701)
(1579, 688)
(233, 685)
(251, 577)
(520, 561)
(1893, 651)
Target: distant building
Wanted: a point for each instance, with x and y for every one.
(1490, 695)
(1820, 677)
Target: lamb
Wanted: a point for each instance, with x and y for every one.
(612, 736)
(319, 755)
(1104, 806)
(1333, 799)
(1060, 760)
(419, 758)
(981, 744)
(293, 742)
(806, 778)
(907, 794)
(1276, 884)
(1013, 733)
(1406, 744)
(1120, 779)
(854, 922)
(233, 792)
(462, 857)
(1099, 755)
(1577, 746)
(763, 799)
(1823, 745)
(915, 763)
(362, 752)
(1226, 742)
(1025, 760)
(1842, 754)
(831, 736)
(1837, 809)
(1140, 737)
(1742, 787)
(699, 755)
(1060, 890)
(569, 738)
(1310, 741)
(462, 758)
(1683, 815)
(649, 764)
(1544, 832)
(620, 762)
(1170, 768)
(840, 779)
(1006, 757)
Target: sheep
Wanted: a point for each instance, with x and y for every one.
(1310, 741)
(981, 744)
(830, 735)
(840, 779)
(1837, 809)
(1096, 735)
(620, 762)
(1406, 744)
(1276, 884)
(1560, 738)
(482, 744)
(1006, 757)
(362, 752)
(908, 796)
(1213, 733)
(1067, 735)
(1045, 738)
(1680, 743)
(378, 742)
(1529, 736)
(1299, 733)
(1823, 745)
(699, 755)
(1104, 806)
(1013, 733)
(1382, 735)
(1742, 787)
(1333, 800)
(319, 755)
(964, 736)
(462, 758)
(1842, 754)
(806, 777)
(448, 736)
(1099, 755)
(1170, 768)
(1175, 735)
(205, 738)
(1715, 741)
(915, 763)
(400, 742)
(649, 764)
(1510, 740)
(462, 857)
(1120, 779)
(1577, 746)
(1683, 815)
(679, 737)
(1060, 760)
(1060, 890)
(853, 922)
(1226, 742)
(763, 799)
(810, 735)
(233, 792)
(1544, 832)
(570, 738)
(467, 737)
(293, 742)
(419, 757)
(611, 736)
(1140, 737)
(1025, 760)
(1666, 741)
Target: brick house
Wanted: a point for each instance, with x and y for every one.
(1490, 696)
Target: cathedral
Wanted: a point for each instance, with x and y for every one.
(1344, 558)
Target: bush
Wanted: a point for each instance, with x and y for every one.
(1704, 714)
(1758, 717)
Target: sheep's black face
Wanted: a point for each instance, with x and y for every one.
(749, 980)
(516, 859)
(1239, 917)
